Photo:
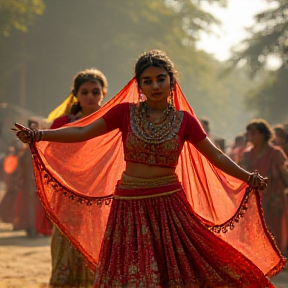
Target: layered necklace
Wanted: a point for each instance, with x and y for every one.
(165, 128)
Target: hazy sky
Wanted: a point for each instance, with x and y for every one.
(235, 17)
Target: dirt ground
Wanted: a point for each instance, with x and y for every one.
(25, 262)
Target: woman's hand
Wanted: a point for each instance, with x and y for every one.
(256, 181)
(27, 135)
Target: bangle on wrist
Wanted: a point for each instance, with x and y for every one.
(39, 135)
(253, 179)
(250, 178)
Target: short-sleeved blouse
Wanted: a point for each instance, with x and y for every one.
(165, 151)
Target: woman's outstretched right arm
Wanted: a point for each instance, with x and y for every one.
(64, 134)
(76, 134)
(111, 120)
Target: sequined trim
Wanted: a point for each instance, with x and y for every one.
(58, 188)
(230, 224)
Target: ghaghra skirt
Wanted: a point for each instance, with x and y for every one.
(153, 239)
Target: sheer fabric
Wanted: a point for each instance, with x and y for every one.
(76, 183)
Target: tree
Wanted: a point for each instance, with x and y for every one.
(109, 35)
(269, 37)
(18, 14)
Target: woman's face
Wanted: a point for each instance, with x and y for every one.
(155, 84)
(255, 137)
(90, 96)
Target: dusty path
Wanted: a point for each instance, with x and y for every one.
(25, 262)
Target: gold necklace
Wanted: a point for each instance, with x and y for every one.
(154, 133)
(163, 116)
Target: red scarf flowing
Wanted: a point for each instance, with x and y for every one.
(75, 179)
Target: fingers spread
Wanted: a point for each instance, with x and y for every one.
(21, 127)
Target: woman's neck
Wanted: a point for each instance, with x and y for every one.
(87, 112)
(157, 107)
(260, 148)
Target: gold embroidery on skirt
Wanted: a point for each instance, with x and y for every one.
(129, 182)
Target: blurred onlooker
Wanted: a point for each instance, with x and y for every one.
(238, 148)
(29, 208)
(281, 137)
(206, 125)
(20, 201)
(218, 141)
(11, 177)
(270, 161)
(43, 224)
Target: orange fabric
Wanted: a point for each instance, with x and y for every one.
(74, 179)
(10, 164)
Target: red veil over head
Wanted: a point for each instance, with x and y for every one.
(76, 181)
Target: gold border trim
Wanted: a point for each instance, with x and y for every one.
(145, 196)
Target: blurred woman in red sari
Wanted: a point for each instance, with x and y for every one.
(12, 179)
(176, 218)
(271, 162)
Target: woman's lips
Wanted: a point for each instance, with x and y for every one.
(156, 94)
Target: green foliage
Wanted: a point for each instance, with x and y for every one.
(109, 35)
(269, 37)
(269, 99)
(18, 14)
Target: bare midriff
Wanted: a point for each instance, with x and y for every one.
(146, 171)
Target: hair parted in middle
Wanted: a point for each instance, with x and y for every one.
(91, 75)
(155, 58)
(86, 75)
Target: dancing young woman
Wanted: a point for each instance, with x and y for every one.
(180, 215)
(68, 267)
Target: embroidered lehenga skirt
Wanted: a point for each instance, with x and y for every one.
(153, 239)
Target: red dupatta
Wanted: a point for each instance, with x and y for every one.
(75, 183)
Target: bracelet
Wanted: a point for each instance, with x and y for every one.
(252, 179)
(256, 181)
(36, 135)
(39, 135)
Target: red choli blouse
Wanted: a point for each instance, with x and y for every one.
(164, 152)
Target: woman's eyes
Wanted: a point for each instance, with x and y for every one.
(147, 82)
(94, 93)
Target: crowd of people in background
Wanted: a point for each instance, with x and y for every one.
(259, 147)
(264, 147)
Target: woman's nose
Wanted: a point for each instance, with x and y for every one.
(155, 85)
